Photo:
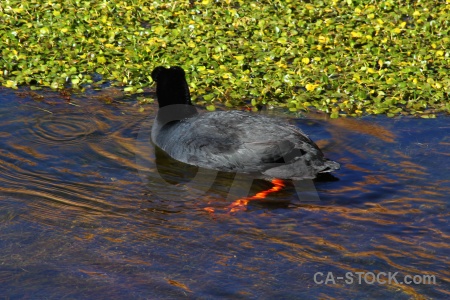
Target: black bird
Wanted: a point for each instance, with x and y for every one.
(231, 141)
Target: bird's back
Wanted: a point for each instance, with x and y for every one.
(242, 142)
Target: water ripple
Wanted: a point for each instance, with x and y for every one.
(62, 126)
(82, 204)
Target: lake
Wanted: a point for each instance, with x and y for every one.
(90, 210)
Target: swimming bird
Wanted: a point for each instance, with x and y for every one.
(230, 141)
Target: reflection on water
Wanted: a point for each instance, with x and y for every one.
(86, 212)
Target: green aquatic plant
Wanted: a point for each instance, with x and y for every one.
(346, 58)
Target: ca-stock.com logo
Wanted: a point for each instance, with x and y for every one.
(198, 185)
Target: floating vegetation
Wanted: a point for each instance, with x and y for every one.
(346, 58)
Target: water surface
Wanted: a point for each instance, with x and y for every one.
(88, 211)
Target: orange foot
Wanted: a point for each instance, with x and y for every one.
(241, 204)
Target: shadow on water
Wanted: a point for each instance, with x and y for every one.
(87, 212)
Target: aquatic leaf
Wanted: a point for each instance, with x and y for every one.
(334, 115)
(101, 59)
(282, 40)
(10, 84)
(270, 51)
(311, 87)
(54, 85)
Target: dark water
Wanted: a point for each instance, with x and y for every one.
(89, 211)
